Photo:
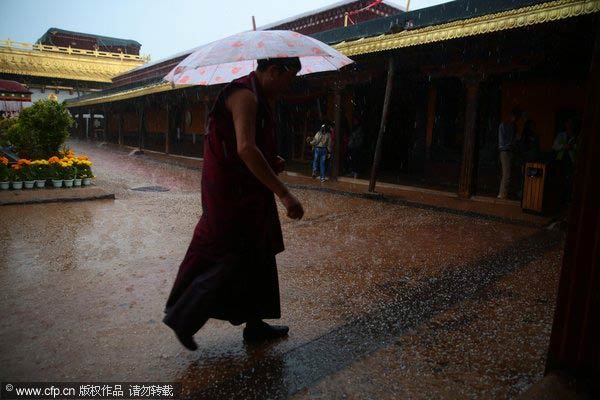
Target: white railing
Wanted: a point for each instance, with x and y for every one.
(70, 50)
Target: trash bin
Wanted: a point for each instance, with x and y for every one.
(542, 188)
(534, 184)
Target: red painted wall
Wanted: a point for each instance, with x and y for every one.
(113, 123)
(157, 120)
(130, 122)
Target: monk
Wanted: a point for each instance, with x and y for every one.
(229, 271)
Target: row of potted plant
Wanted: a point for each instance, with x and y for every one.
(69, 170)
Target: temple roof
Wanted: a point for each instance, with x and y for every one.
(457, 19)
(12, 87)
(182, 54)
(323, 9)
(102, 40)
(434, 15)
(17, 58)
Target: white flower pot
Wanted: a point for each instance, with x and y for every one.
(57, 183)
(17, 185)
(40, 183)
(4, 185)
(77, 182)
(87, 181)
(68, 182)
(29, 184)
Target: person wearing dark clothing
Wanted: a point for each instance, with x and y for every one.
(355, 146)
(506, 145)
(229, 271)
(565, 147)
(529, 143)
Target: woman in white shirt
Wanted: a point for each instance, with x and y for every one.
(322, 147)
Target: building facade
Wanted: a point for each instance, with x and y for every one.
(459, 68)
(64, 72)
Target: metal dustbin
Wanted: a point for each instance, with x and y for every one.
(540, 191)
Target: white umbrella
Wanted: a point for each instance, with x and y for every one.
(235, 56)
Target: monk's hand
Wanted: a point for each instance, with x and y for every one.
(279, 165)
(292, 205)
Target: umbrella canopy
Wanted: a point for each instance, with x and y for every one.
(235, 56)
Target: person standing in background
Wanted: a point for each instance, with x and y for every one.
(506, 142)
(322, 148)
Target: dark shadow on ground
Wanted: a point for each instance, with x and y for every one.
(281, 376)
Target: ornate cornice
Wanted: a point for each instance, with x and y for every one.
(129, 94)
(512, 19)
(65, 63)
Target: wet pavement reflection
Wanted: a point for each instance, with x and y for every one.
(384, 300)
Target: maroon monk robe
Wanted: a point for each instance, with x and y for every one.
(229, 270)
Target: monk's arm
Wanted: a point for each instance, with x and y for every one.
(243, 107)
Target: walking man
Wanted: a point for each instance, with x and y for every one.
(229, 271)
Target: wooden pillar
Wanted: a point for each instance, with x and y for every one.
(120, 124)
(105, 111)
(466, 181)
(574, 345)
(89, 124)
(141, 126)
(81, 123)
(339, 138)
(432, 99)
(384, 117)
(170, 126)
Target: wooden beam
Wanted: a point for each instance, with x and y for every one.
(468, 166)
(384, 116)
(462, 69)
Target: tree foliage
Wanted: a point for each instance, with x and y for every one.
(5, 125)
(41, 130)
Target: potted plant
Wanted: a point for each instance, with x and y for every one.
(27, 173)
(16, 177)
(41, 172)
(4, 170)
(84, 170)
(68, 171)
(55, 171)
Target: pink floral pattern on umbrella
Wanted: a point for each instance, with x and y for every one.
(235, 56)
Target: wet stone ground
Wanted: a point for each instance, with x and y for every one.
(383, 301)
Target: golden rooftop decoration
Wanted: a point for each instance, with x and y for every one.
(21, 58)
(511, 19)
(128, 94)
